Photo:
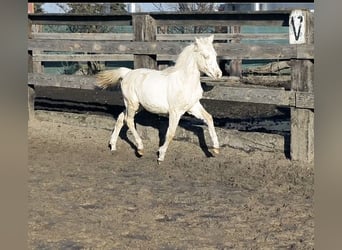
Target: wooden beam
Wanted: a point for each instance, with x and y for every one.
(279, 97)
(227, 18)
(80, 19)
(221, 36)
(302, 120)
(202, 22)
(145, 30)
(65, 81)
(241, 51)
(84, 36)
(305, 100)
(218, 90)
(80, 58)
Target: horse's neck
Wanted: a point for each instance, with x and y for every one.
(187, 65)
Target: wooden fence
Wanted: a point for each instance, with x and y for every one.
(149, 45)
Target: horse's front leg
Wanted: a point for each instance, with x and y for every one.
(199, 112)
(174, 117)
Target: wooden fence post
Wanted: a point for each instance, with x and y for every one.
(302, 120)
(235, 65)
(30, 88)
(37, 65)
(145, 30)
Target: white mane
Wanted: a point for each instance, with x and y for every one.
(186, 56)
(185, 59)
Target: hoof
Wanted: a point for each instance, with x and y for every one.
(111, 147)
(140, 152)
(160, 160)
(216, 151)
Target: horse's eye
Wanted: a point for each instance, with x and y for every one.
(206, 56)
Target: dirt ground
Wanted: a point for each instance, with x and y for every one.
(81, 196)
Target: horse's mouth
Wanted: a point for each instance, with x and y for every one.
(215, 76)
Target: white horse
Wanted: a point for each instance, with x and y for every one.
(173, 91)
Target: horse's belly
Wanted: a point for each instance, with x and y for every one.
(155, 108)
(155, 103)
(154, 100)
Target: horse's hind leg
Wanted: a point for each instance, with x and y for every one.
(199, 112)
(118, 125)
(131, 110)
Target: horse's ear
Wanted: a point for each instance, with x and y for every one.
(211, 38)
(197, 43)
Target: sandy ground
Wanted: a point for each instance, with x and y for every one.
(81, 196)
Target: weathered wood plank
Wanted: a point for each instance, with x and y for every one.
(264, 51)
(247, 17)
(167, 58)
(65, 81)
(221, 36)
(235, 65)
(213, 23)
(251, 95)
(302, 134)
(240, 51)
(275, 82)
(84, 36)
(283, 81)
(145, 29)
(248, 51)
(82, 58)
(238, 92)
(273, 67)
(30, 101)
(305, 51)
(305, 100)
(227, 18)
(302, 120)
(80, 19)
(302, 75)
(101, 46)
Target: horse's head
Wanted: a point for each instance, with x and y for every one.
(206, 57)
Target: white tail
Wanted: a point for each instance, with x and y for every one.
(106, 78)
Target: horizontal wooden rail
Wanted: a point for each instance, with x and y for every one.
(225, 18)
(215, 22)
(81, 58)
(241, 51)
(84, 36)
(238, 93)
(80, 19)
(160, 37)
(262, 95)
(65, 81)
(229, 18)
(222, 36)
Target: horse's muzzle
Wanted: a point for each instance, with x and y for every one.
(215, 74)
(218, 74)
